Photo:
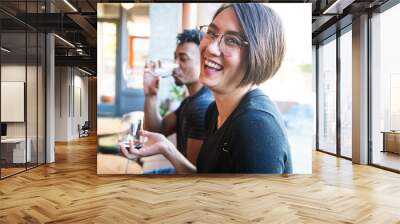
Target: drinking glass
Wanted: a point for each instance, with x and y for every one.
(133, 124)
(135, 129)
(162, 68)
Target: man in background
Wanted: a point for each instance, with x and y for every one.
(188, 120)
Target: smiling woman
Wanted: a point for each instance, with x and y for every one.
(243, 47)
(265, 43)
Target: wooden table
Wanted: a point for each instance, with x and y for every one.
(118, 164)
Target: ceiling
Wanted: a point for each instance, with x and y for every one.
(76, 25)
(330, 15)
(76, 22)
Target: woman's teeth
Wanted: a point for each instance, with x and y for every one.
(213, 65)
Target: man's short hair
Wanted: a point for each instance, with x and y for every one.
(189, 36)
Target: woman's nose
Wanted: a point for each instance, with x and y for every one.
(213, 48)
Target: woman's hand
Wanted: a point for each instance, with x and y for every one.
(154, 144)
(158, 144)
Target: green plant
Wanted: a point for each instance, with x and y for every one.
(164, 107)
(177, 94)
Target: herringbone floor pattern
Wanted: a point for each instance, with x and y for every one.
(70, 191)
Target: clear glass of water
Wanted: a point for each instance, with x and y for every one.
(133, 123)
(136, 128)
(162, 68)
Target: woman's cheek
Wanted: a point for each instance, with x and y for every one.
(202, 46)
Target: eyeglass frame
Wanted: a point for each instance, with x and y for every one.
(221, 35)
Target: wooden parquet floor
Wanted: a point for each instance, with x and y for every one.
(70, 191)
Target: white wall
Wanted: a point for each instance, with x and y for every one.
(12, 73)
(80, 100)
(34, 124)
(163, 46)
(62, 81)
(69, 85)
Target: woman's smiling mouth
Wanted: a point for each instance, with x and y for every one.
(212, 65)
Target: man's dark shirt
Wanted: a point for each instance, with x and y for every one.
(190, 118)
(251, 140)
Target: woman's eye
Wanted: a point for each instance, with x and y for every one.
(232, 41)
(211, 34)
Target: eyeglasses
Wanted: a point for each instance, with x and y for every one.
(228, 42)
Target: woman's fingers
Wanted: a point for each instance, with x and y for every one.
(131, 146)
(146, 150)
(154, 146)
(131, 152)
(126, 153)
(152, 136)
(149, 138)
(145, 133)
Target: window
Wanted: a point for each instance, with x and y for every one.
(292, 87)
(385, 87)
(106, 62)
(22, 75)
(327, 96)
(346, 94)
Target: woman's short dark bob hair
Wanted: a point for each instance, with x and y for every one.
(262, 28)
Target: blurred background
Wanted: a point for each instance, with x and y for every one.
(130, 33)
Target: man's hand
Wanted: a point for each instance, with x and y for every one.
(150, 79)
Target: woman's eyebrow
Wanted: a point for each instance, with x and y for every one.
(233, 32)
(212, 25)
